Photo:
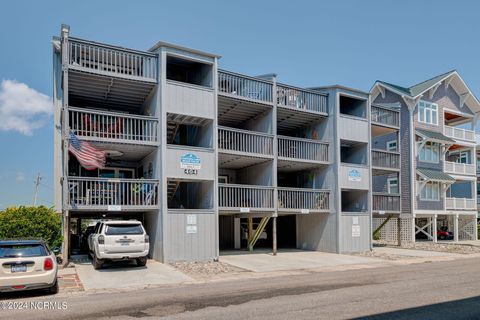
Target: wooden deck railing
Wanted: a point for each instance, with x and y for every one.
(112, 61)
(245, 87)
(386, 116)
(103, 193)
(461, 203)
(297, 98)
(459, 133)
(460, 168)
(294, 199)
(385, 159)
(233, 139)
(96, 125)
(388, 202)
(237, 196)
(302, 149)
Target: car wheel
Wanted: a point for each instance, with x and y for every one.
(54, 289)
(97, 263)
(141, 262)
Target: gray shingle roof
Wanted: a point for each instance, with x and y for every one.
(434, 175)
(432, 135)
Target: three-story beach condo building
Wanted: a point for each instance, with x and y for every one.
(424, 160)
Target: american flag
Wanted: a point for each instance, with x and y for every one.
(89, 157)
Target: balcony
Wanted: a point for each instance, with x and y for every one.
(113, 127)
(245, 87)
(302, 149)
(386, 202)
(301, 99)
(112, 194)
(385, 159)
(107, 60)
(245, 198)
(459, 134)
(460, 204)
(245, 142)
(460, 168)
(385, 116)
(303, 200)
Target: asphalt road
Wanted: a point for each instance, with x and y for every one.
(442, 290)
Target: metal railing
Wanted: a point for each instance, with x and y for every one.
(304, 149)
(109, 60)
(96, 125)
(459, 133)
(385, 116)
(460, 168)
(303, 199)
(461, 203)
(385, 159)
(103, 192)
(245, 87)
(388, 202)
(233, 139)
(298, 98)
(237, 196)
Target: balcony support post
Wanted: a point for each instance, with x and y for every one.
(274, 234)
(399, 231)
(455, 228)
(434, 228)
(250, 232)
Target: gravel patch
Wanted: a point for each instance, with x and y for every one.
(443, 247)
(381, 255)
(208, 269)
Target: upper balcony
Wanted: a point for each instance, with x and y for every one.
(385, 202)
(113, 127)
(385, 116)
(93, 194)
(460, 168)
(245, 198)
(302, 200)
(460, 204)
(385, 160)
(301, 99)
(299, 153)
(111, 61)
(459, 134)
(244, 87)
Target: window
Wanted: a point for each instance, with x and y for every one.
(431, 191)
(222, 179)
(392, 185)
(430, 153)
(462, 157)
(392, 145)
(428, 112)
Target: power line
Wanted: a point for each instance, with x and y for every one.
(37, 183)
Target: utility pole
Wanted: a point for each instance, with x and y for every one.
(37, 183)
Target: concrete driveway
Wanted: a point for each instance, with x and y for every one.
(127, 274)
(285, 260)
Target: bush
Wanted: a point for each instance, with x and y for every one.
(31, 223)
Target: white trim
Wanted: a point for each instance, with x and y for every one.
(397, 184)
(438, 184)
(428, 106)
(390, 142)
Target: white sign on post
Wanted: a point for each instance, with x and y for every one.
(114, 208)
(244, 210)
(356, 231)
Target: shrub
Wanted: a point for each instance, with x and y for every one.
(30, 223)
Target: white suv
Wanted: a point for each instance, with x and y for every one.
(119, 240)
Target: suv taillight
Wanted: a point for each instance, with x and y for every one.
(147, 238)
(101, 240)
(48, 264)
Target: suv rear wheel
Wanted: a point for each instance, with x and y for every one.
(141, 262)
(97, 263)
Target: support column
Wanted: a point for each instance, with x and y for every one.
(434, 228)
(399, 231)
(66, 237)
(455, 228)
(236, 233)
(274, 232)
(250, 232)
(414, 228)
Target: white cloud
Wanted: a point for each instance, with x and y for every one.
(20, 176)
(22, 108)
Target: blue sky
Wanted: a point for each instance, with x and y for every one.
(307, 43)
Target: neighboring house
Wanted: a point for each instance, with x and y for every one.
(477, 138)
(424, 158)
(209, 159)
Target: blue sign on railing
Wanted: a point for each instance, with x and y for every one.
(190, 161)
(354, 175)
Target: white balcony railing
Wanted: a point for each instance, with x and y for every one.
(460, 168)
(459, 133)
(111, 194)
(302, 149)
(304, 200)
(112, 61)
(95, 125)
(387, 116)
(238, 140)
(388, 202)
(249, 88)
(245, 197)
(298, 98)
(385, 159)
(461, 204)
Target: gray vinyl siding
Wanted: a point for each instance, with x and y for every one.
(430, 205)
(349, 242)
(380, 142)
(317, 232)
(379, 183)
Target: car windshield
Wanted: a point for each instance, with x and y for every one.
(22, 250)
(118, 229)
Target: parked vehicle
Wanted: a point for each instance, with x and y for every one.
(119, 240)
(444, 234)
(27, 265)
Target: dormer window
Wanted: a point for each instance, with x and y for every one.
(427, 112)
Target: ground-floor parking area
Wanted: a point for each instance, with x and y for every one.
(446, 227)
